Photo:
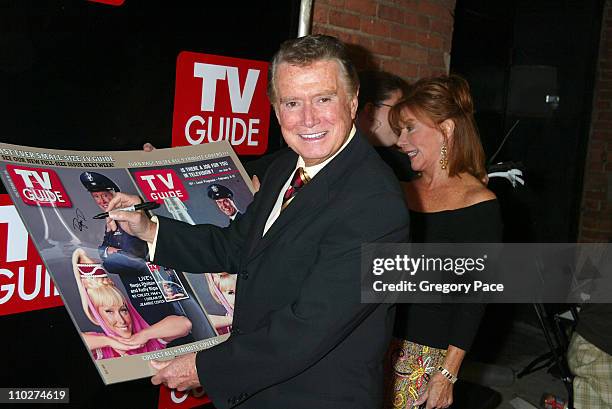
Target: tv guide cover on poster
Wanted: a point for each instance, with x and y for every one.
(127, 310)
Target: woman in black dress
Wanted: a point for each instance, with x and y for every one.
(449, 203)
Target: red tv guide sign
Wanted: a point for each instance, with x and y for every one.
(173, 399)
(221, 98)
(25, 284)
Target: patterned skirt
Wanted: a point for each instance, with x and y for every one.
(408, 367)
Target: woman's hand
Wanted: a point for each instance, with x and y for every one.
(168, 329)
(438, 394)
(95, 341)
(439, 391)
(138, 339)
(122, 345)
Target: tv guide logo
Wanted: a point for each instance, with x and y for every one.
(39, 186)
(221, 98)
(160, 184)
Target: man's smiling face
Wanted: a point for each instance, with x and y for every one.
(314, 109)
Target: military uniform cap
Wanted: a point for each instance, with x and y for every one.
(95, 182)
(216, 192)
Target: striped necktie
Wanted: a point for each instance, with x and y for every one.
(300, 178)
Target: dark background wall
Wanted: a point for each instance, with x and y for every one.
(514, 54)
(82, 75)
(596, 206)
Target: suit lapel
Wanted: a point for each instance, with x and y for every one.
(309, 199)
(270, 189)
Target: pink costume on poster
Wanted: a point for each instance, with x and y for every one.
(138, 323)
(229, 310)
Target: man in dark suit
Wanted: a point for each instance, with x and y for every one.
(301, 337)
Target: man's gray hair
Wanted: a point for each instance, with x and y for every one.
(306, 50)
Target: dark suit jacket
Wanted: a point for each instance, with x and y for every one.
(301, 338)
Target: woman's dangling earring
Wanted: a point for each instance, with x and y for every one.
(443, 156)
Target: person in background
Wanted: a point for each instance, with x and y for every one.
(449, 203)
(378, 93)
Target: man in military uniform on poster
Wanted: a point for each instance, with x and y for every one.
(116, 240)
(224, 199)
(301, 337)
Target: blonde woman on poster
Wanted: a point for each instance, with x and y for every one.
(124, 331)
